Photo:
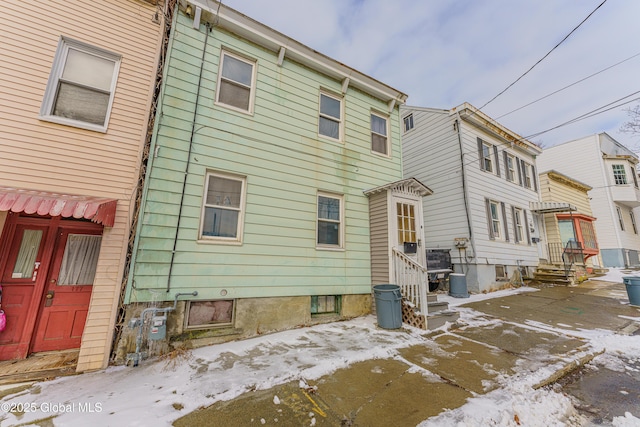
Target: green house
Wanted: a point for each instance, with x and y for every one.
(254, 194)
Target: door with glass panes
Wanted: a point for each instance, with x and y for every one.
(47, 271)
(409, 228)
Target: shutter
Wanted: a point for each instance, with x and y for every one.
(515, 224)
(495, 154)
(519, 171)
(506, 164)
(504, 218)
(489, 220)
(534, 178)
(480, 154)
(526, 226)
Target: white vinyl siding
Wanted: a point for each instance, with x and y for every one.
(81, 86)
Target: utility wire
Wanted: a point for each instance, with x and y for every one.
(568, 86)
(542, 59)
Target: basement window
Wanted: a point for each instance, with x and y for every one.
(326, 304)
(501, 272)
(207, 314)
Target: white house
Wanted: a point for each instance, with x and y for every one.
(483, 178)
(610, 169)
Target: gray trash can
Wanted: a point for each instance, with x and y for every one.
(388, 305)
(458, 285)
(632, 284)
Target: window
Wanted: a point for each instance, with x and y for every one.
(330, 121)
(510, 162)
(408, 122)
(206, 314)
(633, 222)
(236, 82)
(518, 224)
(330, 226)
(80, 260)
(619, 174)
(526, 171)
(634, 174)
(81, 86)
(493, 214)
(406, 219)
(325, 304)
(620, 219)
(501, 272)
(223, 207)
(488, 155)
(379, 138)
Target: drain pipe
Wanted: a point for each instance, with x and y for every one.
(186, 169)
(464, 191)
(139, 323)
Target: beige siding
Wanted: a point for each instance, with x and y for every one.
(379, 226)
(45, 156)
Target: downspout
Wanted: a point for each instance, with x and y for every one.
(186, 169)
(465, 190)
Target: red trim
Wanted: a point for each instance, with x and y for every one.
(575, 216)
(97, 209)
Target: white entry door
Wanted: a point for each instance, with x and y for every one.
(409, 228)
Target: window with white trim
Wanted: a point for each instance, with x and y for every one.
(620, 219)
(330, 226)
(511, 167)
(379, 134)
(633, 221)
(330, 117)
(81, 86)
(527, 173)
(223, 208)
(619, 174)
(494, 219)
(487, 162)
(408, 122)
(236, 82)
(518, 224)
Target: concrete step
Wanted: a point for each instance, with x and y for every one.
(436, 320)
(434, 307)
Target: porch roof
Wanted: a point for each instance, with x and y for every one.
(97, 209)
(411, 183)
(551, 207)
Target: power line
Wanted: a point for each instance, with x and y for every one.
(542, 59)
(568, 86)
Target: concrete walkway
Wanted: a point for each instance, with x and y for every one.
(508, 341)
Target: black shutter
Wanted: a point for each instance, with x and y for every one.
(480, 154)
(495, 154)
(519, 171)
(506, 164)
(504, 218)
(534, 178)
(489, 219)
(526, 226)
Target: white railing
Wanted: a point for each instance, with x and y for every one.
(412, 279)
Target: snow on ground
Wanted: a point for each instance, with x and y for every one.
(158, 391)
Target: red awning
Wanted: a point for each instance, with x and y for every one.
(98, 209)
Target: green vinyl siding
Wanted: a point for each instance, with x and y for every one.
(286, 164)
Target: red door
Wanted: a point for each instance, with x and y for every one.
(22, 286)
(67, 293)
(47, 276)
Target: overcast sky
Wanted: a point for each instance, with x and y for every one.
(446, 52)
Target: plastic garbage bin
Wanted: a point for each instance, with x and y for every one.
(458, 285)
(633, 289)
(388, 305)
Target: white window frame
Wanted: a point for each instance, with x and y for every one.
(619, 174)
(488, 164)
(331, 118)
(527, 171)
(511, 167)
(51, 91)
(407, 121)
(518, 222)
(620, 218)
(252, 89)
(241, 209)
(496, 222)
(633, 221)
(386, 136)
(340, 222)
